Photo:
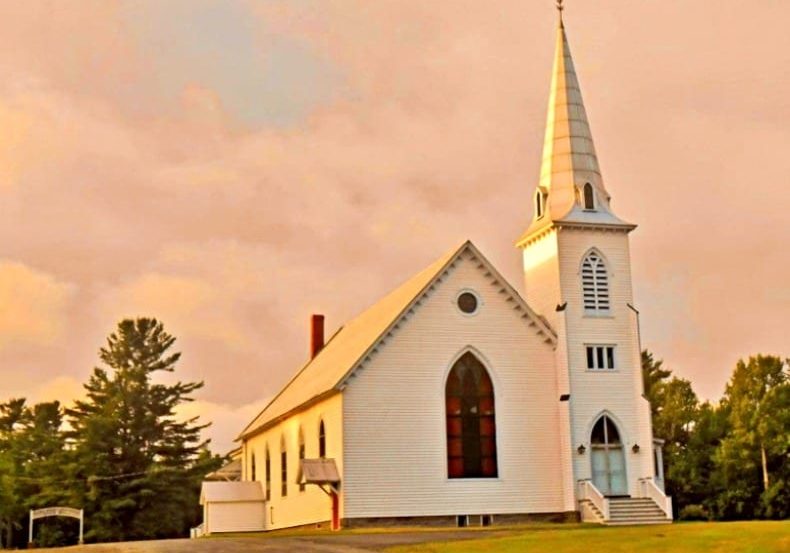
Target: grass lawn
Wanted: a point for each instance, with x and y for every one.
(707, 537)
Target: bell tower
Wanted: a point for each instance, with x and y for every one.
(578, 276)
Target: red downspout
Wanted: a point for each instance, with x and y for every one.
(335, 511)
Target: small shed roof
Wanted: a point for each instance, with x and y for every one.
(319, 471)
(230, 492)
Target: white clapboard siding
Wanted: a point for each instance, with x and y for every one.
(619, 391)
(244, 516)
(554, 276)
(395, 458)
(312, 505)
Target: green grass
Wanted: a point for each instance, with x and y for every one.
(706, 537)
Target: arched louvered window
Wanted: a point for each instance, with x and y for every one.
(301, 455)
(471, 425)
(589, 197)
(538, 204)
(252, 467)
(283, 468)
(268, 470)
(595, 283)
(321, 440)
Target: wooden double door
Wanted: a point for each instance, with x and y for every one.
(608, 458)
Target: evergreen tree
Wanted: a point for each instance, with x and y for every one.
(140, 465)
(653, 377)
(31, 450)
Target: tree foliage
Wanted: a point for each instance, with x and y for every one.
(123, 453)
(728, 459)
(139, 463)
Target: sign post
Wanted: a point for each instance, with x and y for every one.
(55, 512)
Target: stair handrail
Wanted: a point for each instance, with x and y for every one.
(650, 489)
(588, 491)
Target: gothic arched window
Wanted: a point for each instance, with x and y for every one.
(252, 466)
(283, 468)
(321, 440)
(538, 204)
(595, 283)
(268, 470)
(589, 197)
(471, 425)
(301, 455)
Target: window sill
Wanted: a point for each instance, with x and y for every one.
(594, 315)
(602, 371)
(474, 479)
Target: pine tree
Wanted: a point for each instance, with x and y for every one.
(139, 463)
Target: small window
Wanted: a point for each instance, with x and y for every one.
(283, 469)
(268, 470)
(301, 456)
(589, 197)
(600, 357)
(321, 440)
(538, 204)
(467, 302)
(655, 463)
(605, 432)
(252, 467)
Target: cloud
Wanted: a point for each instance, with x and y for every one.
(193, 306)
(227, 420)
(33, 306)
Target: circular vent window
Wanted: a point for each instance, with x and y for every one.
(467, 302)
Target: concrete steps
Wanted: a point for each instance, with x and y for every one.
(635, 510)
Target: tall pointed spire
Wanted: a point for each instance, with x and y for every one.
(569, 160)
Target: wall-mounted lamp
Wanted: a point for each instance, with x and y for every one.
(635, 449)
(581, 449)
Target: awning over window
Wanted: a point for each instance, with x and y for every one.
(318, 471)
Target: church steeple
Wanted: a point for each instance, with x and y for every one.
(571, 187)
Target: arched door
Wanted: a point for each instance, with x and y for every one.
(608, 458)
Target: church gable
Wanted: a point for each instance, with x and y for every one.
(395, 411)
(479, 289)
(357, 342)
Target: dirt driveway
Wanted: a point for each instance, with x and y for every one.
(328, 543)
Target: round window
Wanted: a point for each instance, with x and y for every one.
(467, 302)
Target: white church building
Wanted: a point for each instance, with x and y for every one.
(458, 400)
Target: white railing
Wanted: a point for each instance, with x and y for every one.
(196, 532)
(648, 488)
(588, 491)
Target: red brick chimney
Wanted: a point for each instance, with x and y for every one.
(316, 334)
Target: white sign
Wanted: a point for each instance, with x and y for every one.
(55, 512)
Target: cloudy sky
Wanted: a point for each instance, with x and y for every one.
(231, 167)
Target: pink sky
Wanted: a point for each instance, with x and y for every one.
(232, 167)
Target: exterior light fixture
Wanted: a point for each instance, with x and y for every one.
(635, 449)
(581, 449)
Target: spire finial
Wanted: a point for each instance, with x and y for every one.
(560, 7)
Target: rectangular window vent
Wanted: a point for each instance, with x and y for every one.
(600, 357)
